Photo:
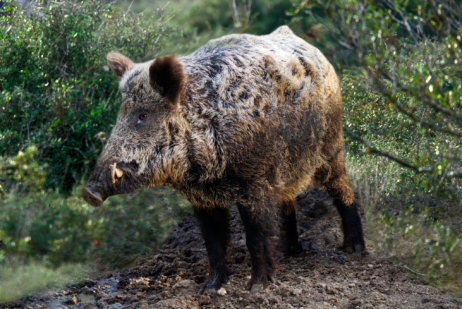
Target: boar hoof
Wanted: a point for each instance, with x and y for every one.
(354, 245)
(256, 288)
(213, 283)
(291, 250)
(257, 284)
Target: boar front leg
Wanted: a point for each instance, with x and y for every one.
(258, 229)
(214, 224)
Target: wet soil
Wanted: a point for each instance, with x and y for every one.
(319, 277)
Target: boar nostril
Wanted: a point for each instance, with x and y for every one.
(115, 172)
(91, 196)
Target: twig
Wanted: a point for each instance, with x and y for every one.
(413, 271)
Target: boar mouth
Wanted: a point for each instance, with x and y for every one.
(102, 183)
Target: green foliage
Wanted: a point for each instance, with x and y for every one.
(370, 115)
(347, 31)
(56, 92)
(22, 172)
(427, 248)
(132, 226)
(267, 15)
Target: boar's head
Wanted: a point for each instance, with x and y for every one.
(146, 146)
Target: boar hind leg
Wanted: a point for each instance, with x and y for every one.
(347, 206)
(214, 224)
(288, 239)
(258, 229)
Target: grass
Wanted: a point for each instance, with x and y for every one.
(21, 280)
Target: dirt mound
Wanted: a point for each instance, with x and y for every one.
(320, 277)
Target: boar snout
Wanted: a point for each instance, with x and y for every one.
(111, 179)
(92, 196)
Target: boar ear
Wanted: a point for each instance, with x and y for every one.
(119, 63)
(166, 75)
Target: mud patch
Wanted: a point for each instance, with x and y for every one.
(320, 277)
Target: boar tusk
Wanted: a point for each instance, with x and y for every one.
(116, 174)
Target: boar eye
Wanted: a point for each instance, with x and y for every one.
(141, 117)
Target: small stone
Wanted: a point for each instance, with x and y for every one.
(221, 292)
(71, 301)
(296, 291)
(184, 287)
(284, 292)
(204, 300)
(370, 265)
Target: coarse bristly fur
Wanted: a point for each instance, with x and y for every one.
(246, 119)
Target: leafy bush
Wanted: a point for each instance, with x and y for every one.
(43, 224)
(56, 92)
(22, 173)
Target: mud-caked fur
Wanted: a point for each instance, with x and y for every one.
(246, 119)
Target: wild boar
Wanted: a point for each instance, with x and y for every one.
(246, 119)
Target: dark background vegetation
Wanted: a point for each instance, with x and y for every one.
(400, 68)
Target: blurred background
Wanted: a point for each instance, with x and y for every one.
(399, 63)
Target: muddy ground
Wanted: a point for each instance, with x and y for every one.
(320, 277)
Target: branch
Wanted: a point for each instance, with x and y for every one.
(403, 21)
(236, 19)
(381, 153)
